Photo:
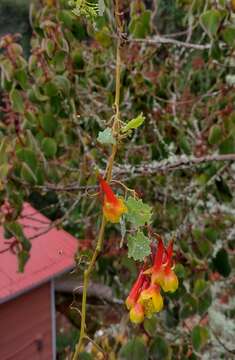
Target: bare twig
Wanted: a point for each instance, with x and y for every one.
(170, 164)
(158, 40)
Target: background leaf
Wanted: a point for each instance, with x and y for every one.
(138, 246)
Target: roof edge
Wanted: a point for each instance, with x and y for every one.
(34, 286)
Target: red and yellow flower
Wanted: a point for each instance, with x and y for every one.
(169, 280)
(152, 300)
(145, 297)
(113, 206)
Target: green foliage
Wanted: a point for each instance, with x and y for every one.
(106, 137)
(134, 123)
(160, 350)
(138, 213)
(200, 337)
(138, 246)
(134, 349)
(221, 263)
(210, 20)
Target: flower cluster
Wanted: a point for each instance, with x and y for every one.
(145, 297)
(113, 206)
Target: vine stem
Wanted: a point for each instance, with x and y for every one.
(109, 169)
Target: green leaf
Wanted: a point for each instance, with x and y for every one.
(134, 350)
(106, 137)
(180, 271)
(200, 286)
(21, 77)
(227, 146)
(48, 123)
(16, 230)
(215, 135)
(59, 61)
(160, 350)
(204, 301)
(134, 123)
(229, 35)
(138, 246)
(140, 24)
(62, 83)
(189, 306)
(23, 257)
(3, 150)
(17, 101)
(49, 147)
(221, 263)
(211, 234)
(138, 213)
(151, 325)
(28, 156)
(210, 21)
(200, 336)
(4, 168)
(27, 174)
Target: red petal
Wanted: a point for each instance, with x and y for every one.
(106, 189)
(159, 254)
(169, 252)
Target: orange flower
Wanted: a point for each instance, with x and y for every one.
(113, 207)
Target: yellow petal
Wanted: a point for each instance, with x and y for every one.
(137, 314)
(170, 282)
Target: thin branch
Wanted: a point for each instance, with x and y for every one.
(157, 40)
(230, 351)
(170, 164)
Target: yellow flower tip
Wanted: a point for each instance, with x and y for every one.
(137, 314)
(170, 282)
(151, 300)
(114, 210)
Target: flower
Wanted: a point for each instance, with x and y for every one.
(135, 290)
(169, 282)
(156, 271)
(113, 207)
(145, 297)
(161, 271)
(137, 314)
(151, 299)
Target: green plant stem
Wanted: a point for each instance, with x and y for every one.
(115, 129)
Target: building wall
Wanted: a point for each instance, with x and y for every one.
(26, 326)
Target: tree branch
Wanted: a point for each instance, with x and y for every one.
(170, 164)
(157, 39)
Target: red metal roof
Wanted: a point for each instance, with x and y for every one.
(52, 253)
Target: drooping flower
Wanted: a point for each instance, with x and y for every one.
(113, 206)
(145, 297)
(169, 281)
(151, 299)
(161, 272)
